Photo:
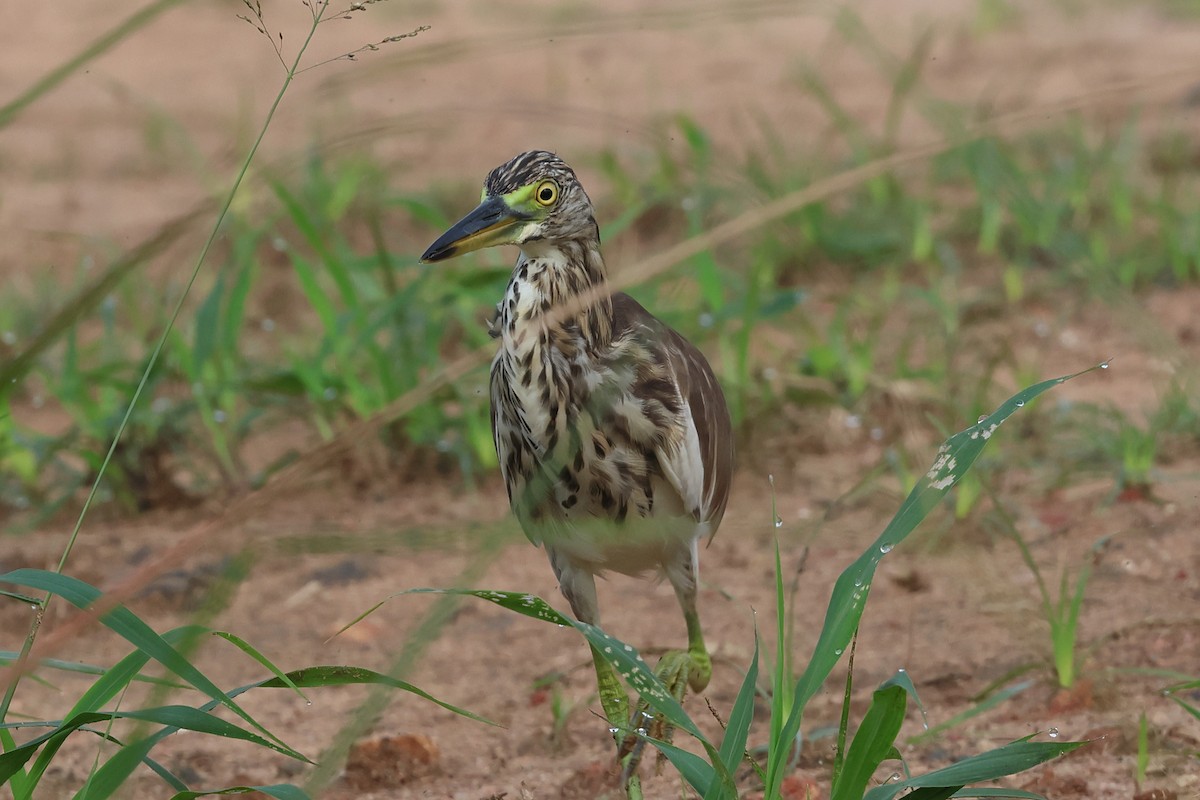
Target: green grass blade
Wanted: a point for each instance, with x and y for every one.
(112, 775)
(206, 338)
(8, 657)
(873, 741)
(113, 680)
(1188, 707)
(625, 658)
(640, 677)
(311, 677)
(175, 717)
(18, 780)
(316, 296)
(850, 591)
(106, 780)
(20, 598)
(235, 309)
(130, 627)
(118, 768)
(737, 727)
(123, 672)
(184, 718)
(1007, 760)
(13, 761)
(527, 604)
(781, 678)
(249, 650)
(699, 773)
(334, 267)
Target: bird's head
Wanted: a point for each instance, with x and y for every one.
(533, 198)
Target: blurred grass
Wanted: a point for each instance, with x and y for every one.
(312, 316)
(888, 294)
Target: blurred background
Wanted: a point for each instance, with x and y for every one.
(942, 202)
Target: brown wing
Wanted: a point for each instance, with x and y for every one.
(699, 463)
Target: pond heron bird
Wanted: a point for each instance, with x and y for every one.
(613, 435)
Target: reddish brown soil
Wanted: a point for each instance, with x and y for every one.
(89, 170)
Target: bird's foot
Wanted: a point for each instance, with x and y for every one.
(673, 671)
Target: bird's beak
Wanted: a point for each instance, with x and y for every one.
(492, 222)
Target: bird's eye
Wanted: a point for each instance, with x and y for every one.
(546, 193)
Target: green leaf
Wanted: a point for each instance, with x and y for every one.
(1188, 707)
(80, 668)
(1007, 760)
(737, 727)
(628, 663)
(129, 626)
(249, 650)
(526, 604)
(19, 781)
(624, 658)
(848, 599)
(334, 266)
(316, 296)
(178, 717)
(110, 777)
(235, 309)
(113, 681)
(310, 677)
(205, 328)
(873, 742)
(694, 769)
(21, 598)
(640, 677)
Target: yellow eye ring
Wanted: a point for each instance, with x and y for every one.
(546, 193)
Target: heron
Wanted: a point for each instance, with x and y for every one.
(613, 435)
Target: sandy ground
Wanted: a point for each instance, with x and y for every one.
(148, 129)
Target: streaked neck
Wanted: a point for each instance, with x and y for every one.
(559, 288)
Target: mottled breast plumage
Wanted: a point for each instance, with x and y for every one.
(603, 417)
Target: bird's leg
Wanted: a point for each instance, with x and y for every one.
(677, 669)
(684, 574)
(700, 669)
(579, 588)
